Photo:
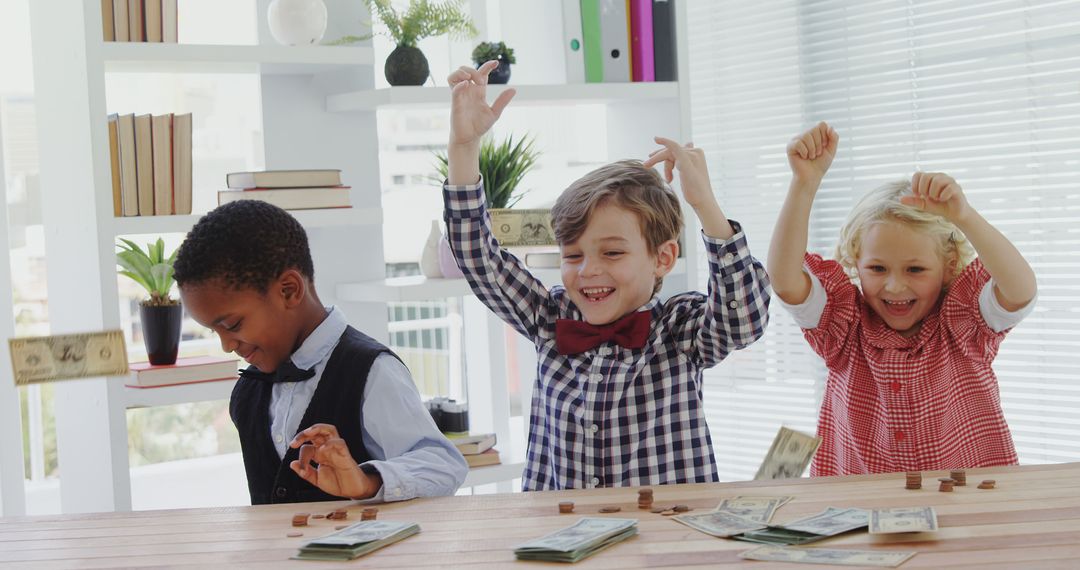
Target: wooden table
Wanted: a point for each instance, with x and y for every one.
(1031, 520)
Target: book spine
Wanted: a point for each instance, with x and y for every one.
(114, 161)
(108, 29)
(664, 40)
(641, 40)
(573, 48)
(120, 20)
(615, 41)
(590, 38)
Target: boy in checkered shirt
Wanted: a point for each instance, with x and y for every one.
(909, 349)
(618, 395)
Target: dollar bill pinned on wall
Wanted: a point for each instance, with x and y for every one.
(68, 356)
(790, 453)
(514, 227)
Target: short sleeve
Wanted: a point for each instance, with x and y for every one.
(961, 315)
(996, 317)
(841, 313)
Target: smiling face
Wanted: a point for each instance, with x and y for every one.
(609, 271)
(258, 327)
(902, 275)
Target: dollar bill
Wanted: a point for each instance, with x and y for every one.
(830, 522)
(903, 519)
(356, 540)
(788, 456)
(879, 558)
(514, 227)
(760, 509)
(719, 523)
(582, 539)
(68, 356)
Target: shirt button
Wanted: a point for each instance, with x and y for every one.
(281, 491)
(594, 428)
(278, 438)
(733, 304)
(895, 386)
(605, 350)
(397, 492)
(596, 377)
(729, 257)
(595, 481)
(900, 436)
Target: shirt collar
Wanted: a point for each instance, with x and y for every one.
(318, 345)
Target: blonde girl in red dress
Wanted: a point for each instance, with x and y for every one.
(907, 319)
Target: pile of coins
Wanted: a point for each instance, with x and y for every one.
(914, 480)
(369, 513)
(611, 509)
(946, 484)
(566, 507)
(644, 498)
(987, 484)
(960, 476)
(338, 515)
(300, 519)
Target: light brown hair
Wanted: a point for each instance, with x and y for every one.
(630, 185)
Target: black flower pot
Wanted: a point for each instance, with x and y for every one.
(406, 65)
(161, 332)
(501, 74)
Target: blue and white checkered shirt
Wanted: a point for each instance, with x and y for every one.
(613, 416)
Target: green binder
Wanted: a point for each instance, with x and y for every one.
(590, 37)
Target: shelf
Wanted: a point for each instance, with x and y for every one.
(142, 57)
(583, 93)
(512, 466)
(137, 225)
(179, 394)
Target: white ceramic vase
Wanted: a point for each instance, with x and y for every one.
(297, 22)
(429, 259)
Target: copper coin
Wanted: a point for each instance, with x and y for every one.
(610, 509)
(294, 534)
(681, 508)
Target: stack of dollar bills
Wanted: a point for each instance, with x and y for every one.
(735, 516)
(580, 540)
(356, 540)
(830, 522)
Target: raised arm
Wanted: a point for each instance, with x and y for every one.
(1014, 280)
(470, 118)
(809, 155)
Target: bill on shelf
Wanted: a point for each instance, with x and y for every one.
(65, 357)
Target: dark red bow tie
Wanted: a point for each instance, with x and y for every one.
(631, 331)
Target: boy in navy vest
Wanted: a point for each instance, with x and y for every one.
(245, 271)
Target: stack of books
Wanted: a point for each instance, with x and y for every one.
(612, 42)
(288, 189)
(189, 370)
(479, 450)
(150, 160)
(139, 21)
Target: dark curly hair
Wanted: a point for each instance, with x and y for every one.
(246, 244)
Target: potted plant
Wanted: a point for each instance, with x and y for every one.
(161, 314)
(488, 51)
(502, 167)
(406, 65)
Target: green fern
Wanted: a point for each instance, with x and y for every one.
(422, 19)
(502, 167)
(149, 268)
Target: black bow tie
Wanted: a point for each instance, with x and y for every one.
(286, 372)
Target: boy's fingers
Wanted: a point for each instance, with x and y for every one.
(334, 449)
(819, 144)
(657, 156)
(309, 475)
(800, 148)
(316, 431)
(481, 74)
(915, 178)
(502, 101)
(913, 201)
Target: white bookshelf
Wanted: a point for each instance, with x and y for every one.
(141, 57)
(321, 218)
(436, 97)
(179, 394)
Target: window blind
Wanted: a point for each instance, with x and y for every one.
(988, 92)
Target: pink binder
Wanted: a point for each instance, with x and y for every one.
(641, 40)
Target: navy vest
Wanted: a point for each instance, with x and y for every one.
(338, 400)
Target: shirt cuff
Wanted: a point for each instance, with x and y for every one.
(996, 317)
(726, 253)
(808, 313)
(465, 200)
(380, 495)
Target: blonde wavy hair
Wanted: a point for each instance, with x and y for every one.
(882, 204)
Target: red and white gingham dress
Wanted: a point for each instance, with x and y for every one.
(893, 404)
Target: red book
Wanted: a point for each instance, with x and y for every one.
(188, 370)
(641, 41)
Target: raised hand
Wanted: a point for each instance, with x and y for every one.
(338, 472)
(937, 193)
(690, 162)
(811, 153)
(470, 114)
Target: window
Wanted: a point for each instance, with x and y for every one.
(986, 92)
